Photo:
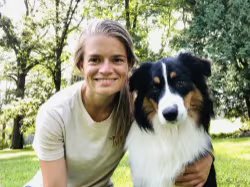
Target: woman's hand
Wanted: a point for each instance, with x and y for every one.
(197, 173)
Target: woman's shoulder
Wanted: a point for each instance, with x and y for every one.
(64, 98)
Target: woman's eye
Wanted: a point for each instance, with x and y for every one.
(94, 60)
(118, 60)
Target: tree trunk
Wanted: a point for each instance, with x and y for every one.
(17, 136)
(247, 100)
(127, 15)
(57, 76)
(3, 136)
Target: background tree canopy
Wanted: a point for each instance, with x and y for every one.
(219, 29)
(36, 51)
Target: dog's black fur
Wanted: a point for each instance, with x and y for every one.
(185, 74)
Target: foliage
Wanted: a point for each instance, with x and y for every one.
(38, 90)
(39, 39)
(24, 40)
(61, 18)
(27, 107)
(219, 29)
(140, 18)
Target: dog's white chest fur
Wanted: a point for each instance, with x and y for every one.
(158, 157)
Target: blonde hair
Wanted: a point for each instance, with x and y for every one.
(123, 108)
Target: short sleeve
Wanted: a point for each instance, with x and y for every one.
(48, 141)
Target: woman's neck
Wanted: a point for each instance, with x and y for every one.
(98, 107)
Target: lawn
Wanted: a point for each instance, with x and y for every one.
(232, 165)
(232, 162)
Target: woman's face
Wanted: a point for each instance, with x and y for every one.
(105, 65)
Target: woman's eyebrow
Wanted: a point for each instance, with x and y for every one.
(94, 55)
(112, 56)
(119, 56)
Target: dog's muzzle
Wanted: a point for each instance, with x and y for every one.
(170, 113)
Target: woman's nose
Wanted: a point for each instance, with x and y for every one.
(106, 67)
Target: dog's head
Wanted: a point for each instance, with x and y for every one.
(172, 90)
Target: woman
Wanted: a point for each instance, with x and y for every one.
(81, 130)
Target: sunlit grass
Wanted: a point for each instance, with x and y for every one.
(17, 167)
(8, 153)
(232, 164)
(122, 174)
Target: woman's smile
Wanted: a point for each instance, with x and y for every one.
(105, 69)
(105, 81)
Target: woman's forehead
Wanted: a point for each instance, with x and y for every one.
(103, 44)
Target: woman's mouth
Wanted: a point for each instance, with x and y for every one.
(105, 81)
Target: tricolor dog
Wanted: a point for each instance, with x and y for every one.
(172, 110)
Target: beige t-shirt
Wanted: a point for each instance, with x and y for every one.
(65, 129)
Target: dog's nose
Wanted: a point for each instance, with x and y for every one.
(170, 113)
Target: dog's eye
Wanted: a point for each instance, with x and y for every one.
(180, 84)
(156, 86)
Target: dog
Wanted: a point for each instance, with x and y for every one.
(172, 110)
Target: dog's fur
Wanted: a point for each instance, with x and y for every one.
(172, 116)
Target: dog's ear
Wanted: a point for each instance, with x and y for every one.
(140, 82)
(140, 77)
(200, 69)
(195, 64)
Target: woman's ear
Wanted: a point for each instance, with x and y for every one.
(130, 71)
(80, 65)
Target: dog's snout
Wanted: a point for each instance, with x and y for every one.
(170, 113)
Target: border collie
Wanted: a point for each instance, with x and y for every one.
(172, 115)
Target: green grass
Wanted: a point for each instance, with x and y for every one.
(232, 165)
(232, 162)
(122, 174)
(17, 167)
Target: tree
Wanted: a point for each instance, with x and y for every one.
(23, 43)
(41, 40)
(140, 17)
(7, 94)
(62, 17)
(219, 29)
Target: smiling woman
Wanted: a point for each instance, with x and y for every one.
(93, 115)
(105, 69)
(81, 130)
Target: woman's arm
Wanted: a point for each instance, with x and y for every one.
(197, 173)
(54, 173)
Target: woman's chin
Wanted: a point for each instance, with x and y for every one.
(107, 91)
